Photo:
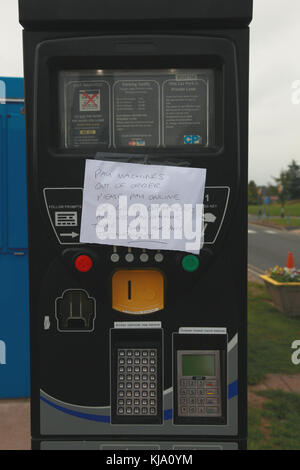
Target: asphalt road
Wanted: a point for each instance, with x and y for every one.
(268, 247)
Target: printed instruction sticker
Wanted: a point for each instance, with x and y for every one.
(89, 100)
(143, 206)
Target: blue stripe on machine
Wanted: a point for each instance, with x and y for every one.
(168, 414)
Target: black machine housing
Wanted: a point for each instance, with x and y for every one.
(70, 359)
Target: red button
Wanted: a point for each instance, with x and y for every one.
(83, 263)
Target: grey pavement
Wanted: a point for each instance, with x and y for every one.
(268, 247)
(14, 425)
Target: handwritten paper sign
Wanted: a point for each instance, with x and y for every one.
(143, 206)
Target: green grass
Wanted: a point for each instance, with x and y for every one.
(292, 207)
(284, 223)
(277, 424)
(270, 337)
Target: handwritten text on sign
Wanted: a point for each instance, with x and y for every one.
(143, 206)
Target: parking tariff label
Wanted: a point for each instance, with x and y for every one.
(136, 113)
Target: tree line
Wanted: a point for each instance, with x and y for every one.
(286, 186)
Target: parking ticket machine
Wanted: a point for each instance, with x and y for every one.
(137, 348)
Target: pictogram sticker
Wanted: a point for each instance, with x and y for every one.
(89, 100)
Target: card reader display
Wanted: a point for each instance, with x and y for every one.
(136, 376)
(199, 383)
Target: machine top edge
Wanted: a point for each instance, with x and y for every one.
(204, 13)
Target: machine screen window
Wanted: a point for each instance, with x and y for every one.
(152, 109)
(198, 365)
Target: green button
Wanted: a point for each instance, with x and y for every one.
(190, 263)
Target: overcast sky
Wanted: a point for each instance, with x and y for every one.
(275, 66)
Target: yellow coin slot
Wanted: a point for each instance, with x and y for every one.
(138, 291)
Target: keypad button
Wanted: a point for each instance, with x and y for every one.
(129, 402)
(121, 402)
(210, 383)
(212, 410)
(121, 353)
(212, 401)
(211, 392)
(144, 393)
(129, 411)
(201, 410)
(184, 410)
(129, 393)
(121, 411)
(136, 411)
(192, 410)
(129, 353)
(183, 401)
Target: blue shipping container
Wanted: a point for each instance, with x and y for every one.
(14, 302)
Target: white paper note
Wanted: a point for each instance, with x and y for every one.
(143, 206)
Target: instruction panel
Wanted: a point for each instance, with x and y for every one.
(127, 109)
